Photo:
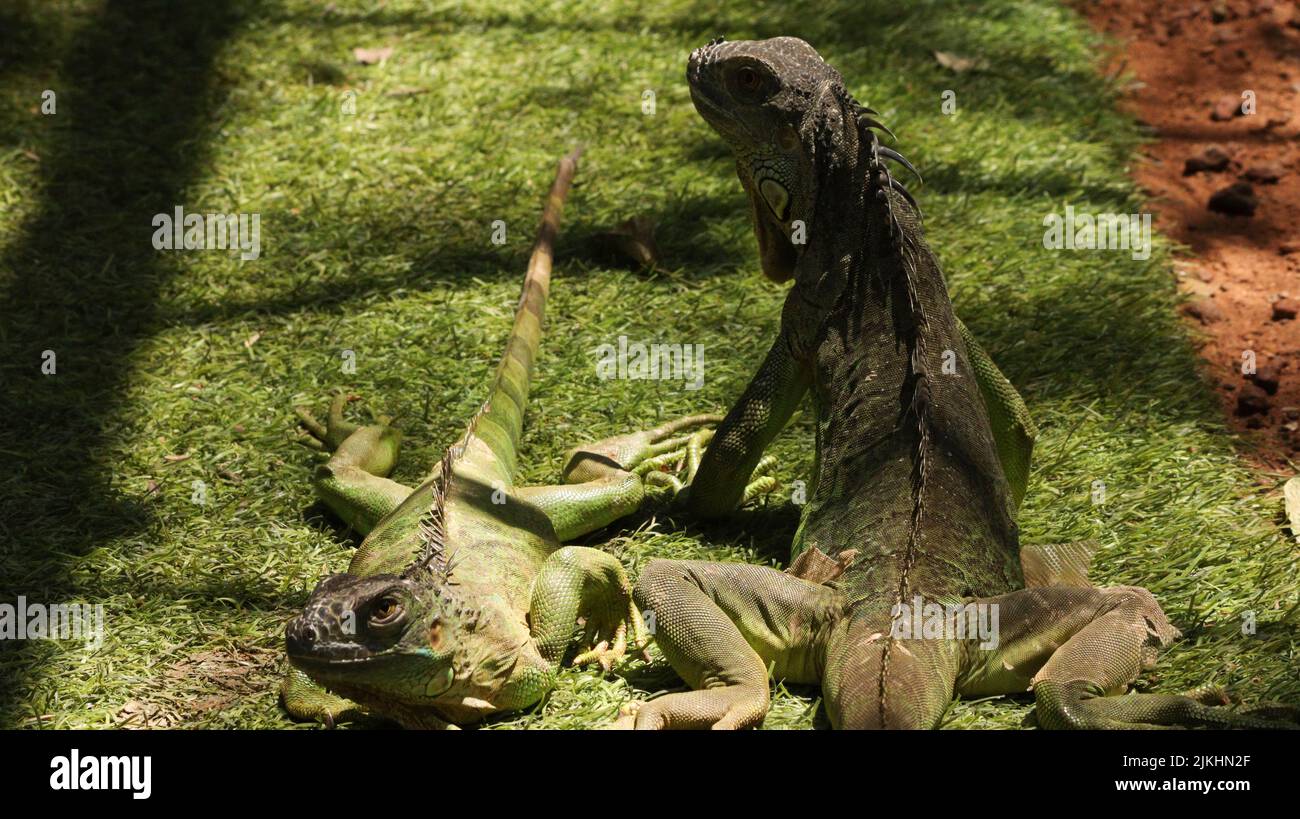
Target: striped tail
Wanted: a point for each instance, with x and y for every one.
(492, 439)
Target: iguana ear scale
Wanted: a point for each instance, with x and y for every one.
(775, 250)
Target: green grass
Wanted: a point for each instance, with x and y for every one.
(376, 238)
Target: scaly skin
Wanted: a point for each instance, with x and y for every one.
(910, 498)
(461, 601)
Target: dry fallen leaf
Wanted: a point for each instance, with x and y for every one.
(370, 56)
(177, 458)
(251, 340)
(635, 239)
(140, 714)
(958, 63)
(1291, 493)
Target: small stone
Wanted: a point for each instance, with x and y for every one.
(1212, 159)
(1225, 109)
(1267, 173)
(1238, 199)
(1206, 311)
(1287, 248)
(1285, 309)
(1219, 12)
(1266, 379)
(1252, 401)
(1291, 413)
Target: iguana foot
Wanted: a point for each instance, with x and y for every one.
(657, 456)
(1075, 705)
(354, 482)
(332, 433)
(760, 483)
(639, 452)
(580, 584)
(308, 702)
(726, 708)
(611, 650)
(626, 719)
(1081, 645)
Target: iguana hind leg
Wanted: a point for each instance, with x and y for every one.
(354, 482)
(1079, 648)
(721, 625)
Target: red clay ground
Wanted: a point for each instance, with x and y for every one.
(1194, 61)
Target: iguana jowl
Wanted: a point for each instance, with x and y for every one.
(461, 601)
(909, 500)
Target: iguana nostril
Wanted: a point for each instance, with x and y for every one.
(300, 636)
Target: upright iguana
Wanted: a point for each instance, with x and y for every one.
(461, 601)
(910, 517)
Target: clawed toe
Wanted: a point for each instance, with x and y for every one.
(333, 432)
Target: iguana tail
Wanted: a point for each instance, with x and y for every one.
(492, 439)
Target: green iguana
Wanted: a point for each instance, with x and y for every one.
(461, 602)
(907, 547)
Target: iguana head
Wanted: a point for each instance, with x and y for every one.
(383, 640)
(795, 131)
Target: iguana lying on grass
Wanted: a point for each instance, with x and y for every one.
(910, 507)
(461, 601)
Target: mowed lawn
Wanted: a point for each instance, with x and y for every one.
(156, 472)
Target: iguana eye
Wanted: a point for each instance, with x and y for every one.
(385, 611)
(748, 81)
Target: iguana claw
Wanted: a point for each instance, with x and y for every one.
(333, 432)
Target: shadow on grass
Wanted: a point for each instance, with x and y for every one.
(134, 91)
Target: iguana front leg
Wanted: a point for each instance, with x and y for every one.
(307, 701)
(354, 482)
(1079, 647)
(1013, 429)
(616, 476)
(722, 626)
(775, 392)
(578, 582)
(756, 419)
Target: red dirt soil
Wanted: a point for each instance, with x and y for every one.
(1193, 62)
